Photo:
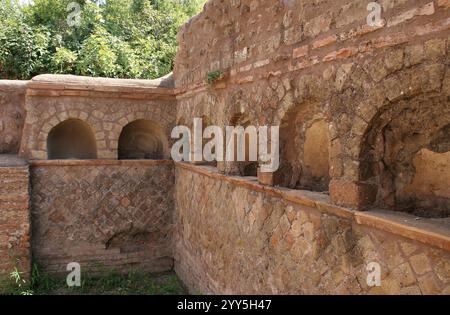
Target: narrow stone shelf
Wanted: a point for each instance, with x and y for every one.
(435, 232)
(9, 160)
(35, 163)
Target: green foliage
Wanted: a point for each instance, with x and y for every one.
(213, 76)
(20, 284)
(122, 38)
(63, 60)
(97, 57)
(136, 282)
(37, 283)
(23, 49)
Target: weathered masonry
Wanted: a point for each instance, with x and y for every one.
(97, 176)
(364, 116)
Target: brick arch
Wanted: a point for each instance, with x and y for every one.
(288, 108)
(373, 97)
(125, 120)
(156, 146)
(63, 143)
(349, 188)
(60, 117)
(309, 88)
(303, 164)
(403, 138)
(39, 149)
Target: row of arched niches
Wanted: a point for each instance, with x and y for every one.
(74, 139)
(410, 168)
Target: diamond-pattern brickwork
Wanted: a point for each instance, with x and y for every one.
(103, 215)
(259, 244)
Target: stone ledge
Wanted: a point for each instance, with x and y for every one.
(16, 86)
(9, 160)
(135, 94)
(70, 85)
(93, 82)
(49, 163)
(434, 232)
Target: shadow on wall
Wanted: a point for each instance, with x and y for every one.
(304, 149)
(406, 156)
(142, 139)
(72, 139)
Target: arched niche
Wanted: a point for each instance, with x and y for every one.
(304, 149)
(72, 139)
(405, 156)
(142, 140)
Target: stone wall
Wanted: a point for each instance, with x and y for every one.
(14, 215)
(270, 241)
(309, 64)
(364, 118)
(107, 106)
(363, 114)
(12, 115)
(103, 214)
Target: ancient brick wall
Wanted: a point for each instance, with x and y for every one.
(104, 215)
(320, 72)
(272, 241)
(363, 114)
(12, 115)
(364, 118)
(107, 106)
(14, 216)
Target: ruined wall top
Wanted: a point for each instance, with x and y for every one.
(255, 36)
(52, 81)
(13, 85)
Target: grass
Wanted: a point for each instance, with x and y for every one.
(112, 283)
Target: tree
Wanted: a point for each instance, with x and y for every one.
(114, 38)
(23, 49)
